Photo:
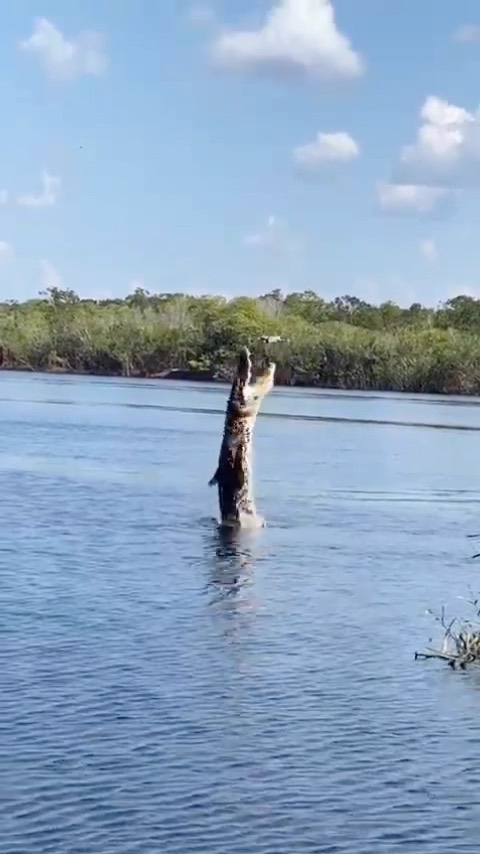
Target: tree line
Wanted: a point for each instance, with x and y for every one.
(344, 343)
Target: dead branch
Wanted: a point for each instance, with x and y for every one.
(461, 639)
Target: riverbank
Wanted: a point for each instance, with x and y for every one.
(345, 344)
(187, 376)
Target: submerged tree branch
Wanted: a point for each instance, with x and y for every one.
(461, 639)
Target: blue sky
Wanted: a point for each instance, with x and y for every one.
(235, 146)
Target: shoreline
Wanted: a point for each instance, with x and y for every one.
(179, 375)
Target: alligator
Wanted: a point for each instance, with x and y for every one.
(234, 475)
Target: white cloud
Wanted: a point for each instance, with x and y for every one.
(327, 151)
(3, 197)
(63, 59)
(429, 250)
(48, 196)
(51, 278)
(296, 36)
(272, 237)
(5, 249)
(412, 199)
(446, 152)
(468, 34)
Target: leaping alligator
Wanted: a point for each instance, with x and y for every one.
(234, 475)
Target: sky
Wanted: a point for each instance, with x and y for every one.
(237, 146)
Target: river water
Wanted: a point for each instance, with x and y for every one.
(164, 689)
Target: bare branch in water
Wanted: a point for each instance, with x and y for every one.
(461, 639)
(474, 537)
(452, 661)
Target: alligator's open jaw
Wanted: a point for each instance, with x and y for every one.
(234, 475)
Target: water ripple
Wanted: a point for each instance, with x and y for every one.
(283, 416)
(166, 686)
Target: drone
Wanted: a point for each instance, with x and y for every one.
(272, 339)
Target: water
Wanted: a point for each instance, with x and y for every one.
(166, 690)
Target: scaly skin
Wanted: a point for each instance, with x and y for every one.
(234, 476)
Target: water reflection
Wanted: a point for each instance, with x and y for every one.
(230, 584)
(231, 560)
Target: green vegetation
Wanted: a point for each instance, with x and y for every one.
(345, 344)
